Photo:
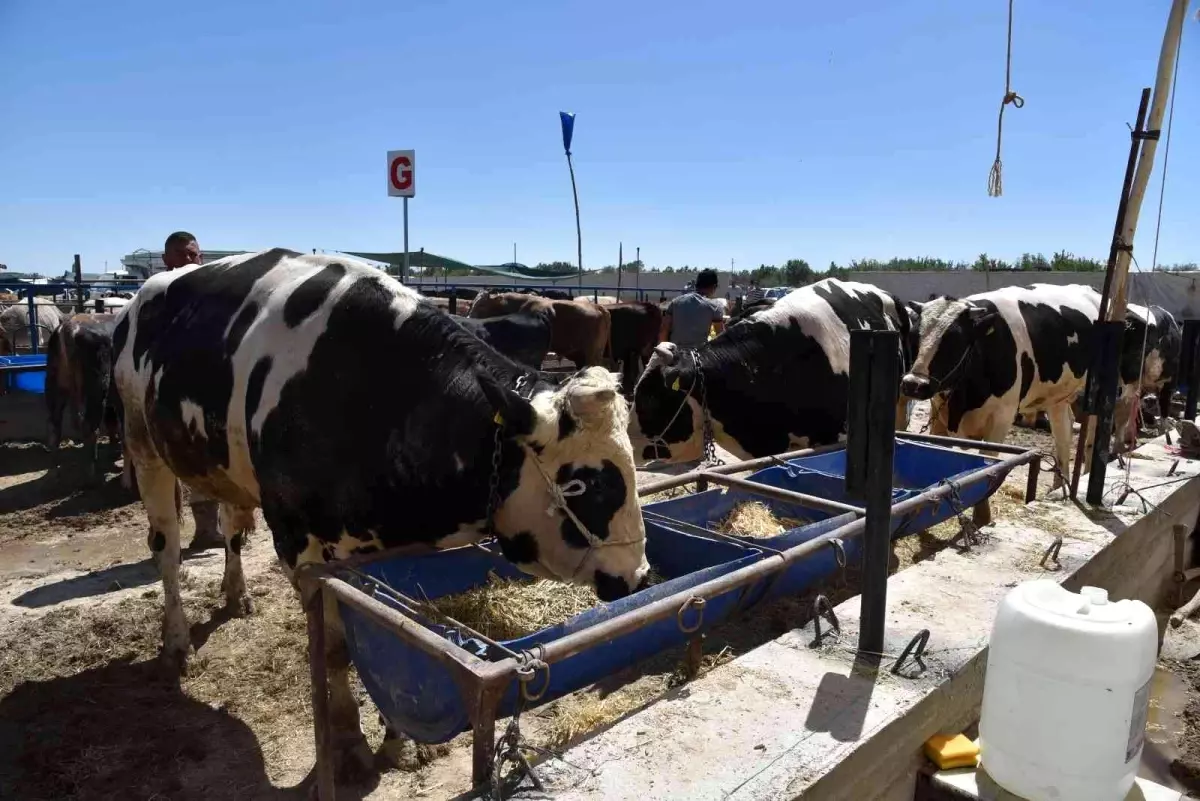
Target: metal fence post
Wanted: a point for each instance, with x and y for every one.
(870, 447)
(1107, 339)
(1189, 367)
(33, 326)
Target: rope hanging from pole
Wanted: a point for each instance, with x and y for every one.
(995, 179)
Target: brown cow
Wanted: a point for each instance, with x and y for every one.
(79, 377)
(578, 331)
(635, 330)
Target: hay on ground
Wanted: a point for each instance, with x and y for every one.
(507, 609)
(755, 519)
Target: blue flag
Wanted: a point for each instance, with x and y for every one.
(568, 127)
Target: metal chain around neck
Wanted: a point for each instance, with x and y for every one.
(494, 480)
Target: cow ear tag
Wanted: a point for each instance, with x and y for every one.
(991, 330)
(498, 419)
(675, 386)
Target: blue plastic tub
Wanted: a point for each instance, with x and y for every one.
(916, 468)
(708, 509)
(418, 695)
(31, 381)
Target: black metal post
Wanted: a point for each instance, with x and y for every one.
(1089, 400)
(33, 326)
(870, 447)
(1189, 367)
(1107, 339)
(78, 268)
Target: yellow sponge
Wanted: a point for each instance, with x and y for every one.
(949, 752)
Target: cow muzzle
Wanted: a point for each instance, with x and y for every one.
(917, 387)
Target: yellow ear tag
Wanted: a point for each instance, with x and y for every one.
(498, 420)
(675, 386)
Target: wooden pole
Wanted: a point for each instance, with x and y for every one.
(1162, 94)
(620, 266)
(1120, 278)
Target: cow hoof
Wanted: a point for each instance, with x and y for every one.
(353, 761)
(174, 663)
(241, 606)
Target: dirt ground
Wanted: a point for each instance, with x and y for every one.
(87, 713)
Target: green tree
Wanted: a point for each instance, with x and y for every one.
(796, 272)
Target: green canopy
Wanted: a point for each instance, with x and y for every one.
(431, 261)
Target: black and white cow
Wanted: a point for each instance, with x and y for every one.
(1155, 332)
(989, 357)
(773, 382)
(523, 337)
(360, 417)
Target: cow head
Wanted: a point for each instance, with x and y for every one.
(577, 453)
(667, 420)
(949, 331)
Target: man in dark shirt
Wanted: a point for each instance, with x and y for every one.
(688, 318)
(180, 250)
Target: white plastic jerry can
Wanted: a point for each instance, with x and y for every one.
(1067, 693)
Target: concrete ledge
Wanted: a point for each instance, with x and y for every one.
(790, 720)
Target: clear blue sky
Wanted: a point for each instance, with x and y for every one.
(706, 131)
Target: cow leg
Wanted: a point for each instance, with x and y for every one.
(234, 523)
(56, 401)
(160, 495)
(1061, 430)
(352, 755)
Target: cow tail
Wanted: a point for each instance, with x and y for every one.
(178, 501)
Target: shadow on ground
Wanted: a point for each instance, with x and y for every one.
(101, 582)
(125, 732)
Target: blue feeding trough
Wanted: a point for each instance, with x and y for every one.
(420, 697)
(433, 680)
(917, 467)
(707, 510)
(24, 373)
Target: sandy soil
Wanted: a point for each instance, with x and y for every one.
(87, 713)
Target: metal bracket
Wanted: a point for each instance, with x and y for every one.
(822, 608)
(914, 649)
(526, 673)
(1146, 135)
(1052, 553)
(694, 602)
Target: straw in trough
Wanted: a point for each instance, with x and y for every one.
(755, 519)
(505, 609)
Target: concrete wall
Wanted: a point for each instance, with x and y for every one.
(1177, 293)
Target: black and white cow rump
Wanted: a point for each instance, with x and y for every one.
(773, 382)
(1152, 342)
(988, 358)
(360, 417)
(523, 337)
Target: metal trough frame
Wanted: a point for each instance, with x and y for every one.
(483, 683)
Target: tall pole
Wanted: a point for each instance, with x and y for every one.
(1168, 53)
(637, 276)
(514, 254)
(404, 275)
(620, 266)
(567, 119)
(77, 269)
(578, 230)
(1162, 93)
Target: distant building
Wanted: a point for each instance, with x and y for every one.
(145, 263)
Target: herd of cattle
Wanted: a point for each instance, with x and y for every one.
(359, 415)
